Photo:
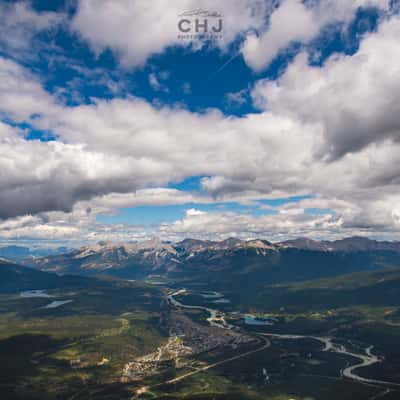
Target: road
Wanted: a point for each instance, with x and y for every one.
(144, 389)
(366, 359)
(266, 344)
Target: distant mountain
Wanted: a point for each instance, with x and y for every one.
(18, 253)
(14, 277)
(363, 244)
(193, 246)
(351, 244)
(306, 244)
(228, 262)
(375, 288)
(121, 259)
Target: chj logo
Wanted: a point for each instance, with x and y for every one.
(200, 24)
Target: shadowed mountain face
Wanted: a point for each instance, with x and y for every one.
(18, 253)
(230, 262)
(369, 288)
(351, 244)
(14, 277)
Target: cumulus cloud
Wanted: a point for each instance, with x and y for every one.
(135, 30)
(19, 25)
(157, 81)
(291, 21)
(108, 203)
(220, 225)
(38, 176)
(332, 134)
(237, 98)
(22, 96)
(289, 221)
(355, 99)
(299, 21)
(124, 145)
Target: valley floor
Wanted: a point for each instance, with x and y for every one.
(136, 340)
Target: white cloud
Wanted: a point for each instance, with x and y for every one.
(135, 30)
(21, 94)
(125, 145)
(110, 149)
(298, 21)
(154, 83)
(237, 98)
(19, 24)
(144, 197)
(157, 81)
(354, 98)
(220, 225)
(291, 21)
(38, 176)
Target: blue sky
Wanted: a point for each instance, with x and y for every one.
(195, 79)
(170, 213)
(125, 111)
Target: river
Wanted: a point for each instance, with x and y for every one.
(367, 359)
(216, 317)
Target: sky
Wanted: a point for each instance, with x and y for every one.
(120, 121)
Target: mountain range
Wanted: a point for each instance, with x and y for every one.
(257, 273)
(228, 261)
(17, 252)
(14, 277)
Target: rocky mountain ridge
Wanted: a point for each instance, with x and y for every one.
(154, 256)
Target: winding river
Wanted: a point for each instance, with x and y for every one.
(217, 319)
(366, 359)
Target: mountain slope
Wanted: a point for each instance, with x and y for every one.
(230, 263)
(350, 244)
(18, 253)
(14, 277)
(248, 269)
(367, 288)
(112, 258)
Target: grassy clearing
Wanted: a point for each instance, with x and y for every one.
(54, 353)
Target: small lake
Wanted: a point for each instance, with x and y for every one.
(221, 301)
(55, 304)
(34, 293)
(259, 321)
(211, 295)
